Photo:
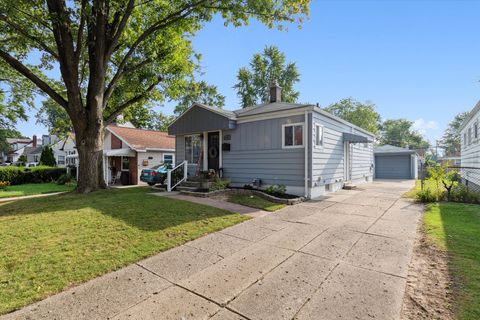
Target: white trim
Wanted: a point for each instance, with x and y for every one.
(168, 154)
(205, 150)
(159, 149)
(121, 139)
(220, 150)
(314, 135)
(274, 115)
(306, 154)
(303, 135)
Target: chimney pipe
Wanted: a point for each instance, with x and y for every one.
(275, 92)
(34, 140)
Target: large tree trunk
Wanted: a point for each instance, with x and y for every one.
(90, 157)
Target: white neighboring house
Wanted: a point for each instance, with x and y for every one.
(470, 150)
(128, 150)
(17, 148)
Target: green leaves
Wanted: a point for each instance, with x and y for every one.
(363, 115)
(253, 86)
(399, 133)
(451, 139)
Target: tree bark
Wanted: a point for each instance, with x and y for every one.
(90, 157)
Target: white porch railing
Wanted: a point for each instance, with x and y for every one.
(172, 179)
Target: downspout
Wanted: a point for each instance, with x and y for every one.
(307, 135)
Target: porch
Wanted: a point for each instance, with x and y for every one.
(120, 167)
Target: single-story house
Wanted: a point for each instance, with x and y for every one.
(301, 146)
(393, 162)
(128, 150)
(470, 148)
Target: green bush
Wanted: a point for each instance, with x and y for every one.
(427, 195)
(460, 193)
(64, 179)
(21, 175)
(276, 190)
(219, 184)
(47, 158)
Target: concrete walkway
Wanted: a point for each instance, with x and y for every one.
(344, 257)
(32, 196)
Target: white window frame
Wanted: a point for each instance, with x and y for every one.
(185, 144)
(475, 131)
(168, 154)
(302, 124)
(322, 128)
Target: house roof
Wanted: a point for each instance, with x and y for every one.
(472, 114)
(141, 140)
(18, 140)
(33, 150)
(392, 149)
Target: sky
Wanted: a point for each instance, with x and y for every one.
(418, 60)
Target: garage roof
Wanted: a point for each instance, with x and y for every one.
(389, 149)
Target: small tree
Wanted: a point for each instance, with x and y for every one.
(22, 160)
(47, 158)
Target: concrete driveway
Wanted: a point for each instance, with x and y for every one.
(345, 257)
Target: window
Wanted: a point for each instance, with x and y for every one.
(193, 146)
(125, 163)
(168, 158)
(36, 158)
(293, 135)
(318, 135)
(61, 160)
(469, 135)
(475, 130)
(465, 139)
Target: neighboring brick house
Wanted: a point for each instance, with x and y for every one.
(129, 150)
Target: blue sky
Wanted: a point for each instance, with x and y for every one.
(418, 60)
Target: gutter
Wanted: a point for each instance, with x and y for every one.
(307, 137)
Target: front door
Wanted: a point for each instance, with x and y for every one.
(213, 150)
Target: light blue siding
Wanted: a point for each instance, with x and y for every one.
(256, 152)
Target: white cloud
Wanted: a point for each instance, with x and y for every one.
(423, 125)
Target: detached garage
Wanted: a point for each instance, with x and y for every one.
(395, 163)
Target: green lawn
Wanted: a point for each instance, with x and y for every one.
(255, 201)
(456, 228)
(49, 244)
(34, 188)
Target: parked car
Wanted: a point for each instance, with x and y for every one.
(31, 164)
(156, 174)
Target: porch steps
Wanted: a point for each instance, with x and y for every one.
(189, 185)
(349, 186)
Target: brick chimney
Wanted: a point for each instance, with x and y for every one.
(275, 92)
(34, 140)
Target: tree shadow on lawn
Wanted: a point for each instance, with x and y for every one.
(456, 228)
(135, 206)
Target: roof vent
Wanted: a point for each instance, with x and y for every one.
(275, 92)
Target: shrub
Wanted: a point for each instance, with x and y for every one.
(21, 175)
(219, 184)
(276, 190)
(427, 195)
(460, 193)
(64, 179)
(21, 160)
(4, 185)
(47, 158)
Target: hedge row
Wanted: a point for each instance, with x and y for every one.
(21, 175)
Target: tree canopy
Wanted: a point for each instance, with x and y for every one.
(399, 132)
(253, 86)
(451, 140)
(7, 133)
(96, 58)
(363, 115)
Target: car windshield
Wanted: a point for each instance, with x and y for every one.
(157, 167)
